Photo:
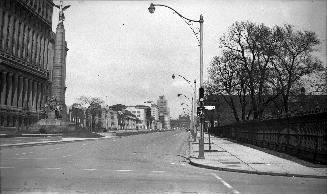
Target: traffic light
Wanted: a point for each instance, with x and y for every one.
(199, 111)
(201, 94)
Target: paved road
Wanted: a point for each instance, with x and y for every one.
(149, 163)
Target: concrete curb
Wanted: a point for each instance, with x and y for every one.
(123, 134)
(255, 172)
(50, 142)
(31, 135)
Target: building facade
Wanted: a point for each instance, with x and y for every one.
(26, 61)
(77, 115)
(140, 115)
(164, 115)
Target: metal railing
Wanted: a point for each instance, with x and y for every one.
(303, 136)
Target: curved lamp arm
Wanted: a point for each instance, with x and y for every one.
(186, 20)
(178, 95)
(188, 81)
(152, 9)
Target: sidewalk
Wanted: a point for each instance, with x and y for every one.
(229, 156)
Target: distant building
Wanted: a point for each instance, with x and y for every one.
(113, 120)
(77, 115)
(143, 113)
(164, 116)
(156, 123)
(130, 120)
(183, 122)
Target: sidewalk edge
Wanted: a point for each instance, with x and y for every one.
(255, 172)
(49, 143)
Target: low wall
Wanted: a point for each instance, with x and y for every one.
(301, 136)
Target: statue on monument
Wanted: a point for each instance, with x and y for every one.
(61, 8)
(53, 106)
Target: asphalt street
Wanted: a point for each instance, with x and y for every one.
(147, 163)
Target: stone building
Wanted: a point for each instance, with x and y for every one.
(26, 60)
(164, 115)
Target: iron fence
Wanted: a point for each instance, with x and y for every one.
(303, 136)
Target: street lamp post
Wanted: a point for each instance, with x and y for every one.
(192, 125)
(188, 21)
(190, 112)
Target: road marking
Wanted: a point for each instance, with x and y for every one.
(66, 156)
(90, 169)
(29, 158)
(123, 170)
(172, 163)
(6, 167)
(226, 184)
(84, 144)
(158, 171)
(52, 168)
(23, 153)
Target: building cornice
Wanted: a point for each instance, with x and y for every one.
(35, 13)
(22, 65)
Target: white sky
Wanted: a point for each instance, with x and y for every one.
(119, 50)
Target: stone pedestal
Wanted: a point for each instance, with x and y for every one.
(51, 125)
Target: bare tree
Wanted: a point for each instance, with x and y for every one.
(93, 104)
(252, 46)
(293, 58)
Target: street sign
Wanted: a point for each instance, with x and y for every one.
(209, 107)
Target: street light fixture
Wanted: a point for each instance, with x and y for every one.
(200, 41)
(194, 130)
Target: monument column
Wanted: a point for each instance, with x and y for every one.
(59, 66)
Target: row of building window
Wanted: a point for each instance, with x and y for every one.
(21, 40)
(16, 121)
(21, 92)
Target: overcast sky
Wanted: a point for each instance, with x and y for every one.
(120, 52)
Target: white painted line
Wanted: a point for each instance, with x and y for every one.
(66, 156)
(84, 144)
(158, 171)
(52, 168)
(90, 169)
(172, 163)
(123, 170)
(226, 184)
(29, 158)
(6, 167)
(23, 153)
